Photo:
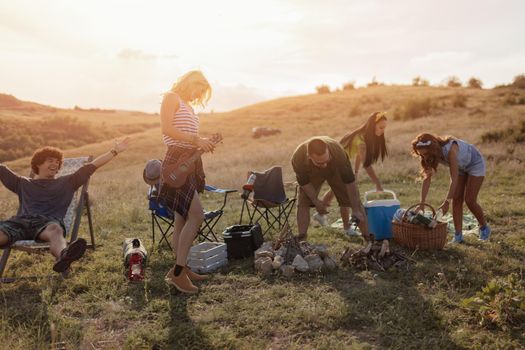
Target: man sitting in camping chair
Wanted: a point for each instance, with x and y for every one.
(43, 202)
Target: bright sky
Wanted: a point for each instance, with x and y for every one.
(124, 54)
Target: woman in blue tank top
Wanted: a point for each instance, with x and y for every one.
(467, 172)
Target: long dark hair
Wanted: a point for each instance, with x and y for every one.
(434, 144)
(375, 145)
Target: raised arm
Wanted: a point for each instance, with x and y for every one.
(108, 156)
(9, 178)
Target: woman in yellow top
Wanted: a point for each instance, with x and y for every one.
(366, 144)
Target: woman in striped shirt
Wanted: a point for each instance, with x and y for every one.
(180, 130)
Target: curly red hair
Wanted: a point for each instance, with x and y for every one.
(433, 144)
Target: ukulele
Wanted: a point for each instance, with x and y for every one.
(175, 174)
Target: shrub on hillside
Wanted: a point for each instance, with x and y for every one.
(459, 101)
(475, 83)
(413, 109)
(500, 304)
(323, 89)
(513, 134)
(349, 86)
(512, 99)
(453, 82)
(418, 81)
(519, 81)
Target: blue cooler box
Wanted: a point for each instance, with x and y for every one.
(379, 213)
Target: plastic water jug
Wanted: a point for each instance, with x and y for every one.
(379, 214)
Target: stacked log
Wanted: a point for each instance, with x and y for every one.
(376, 257)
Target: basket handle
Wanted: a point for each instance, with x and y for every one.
(384, 191)
(416, 205)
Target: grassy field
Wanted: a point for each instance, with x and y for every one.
(97, 308)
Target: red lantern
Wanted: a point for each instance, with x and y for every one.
(136, 267)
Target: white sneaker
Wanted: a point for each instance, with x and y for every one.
(351, 232)
(321, 219)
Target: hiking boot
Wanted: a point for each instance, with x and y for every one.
(69, 254)
(194, 276)
(484, 233)
(458, 238)
(321, 219)
(181, 282)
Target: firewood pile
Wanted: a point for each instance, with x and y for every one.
(376, 256)
(287, 255)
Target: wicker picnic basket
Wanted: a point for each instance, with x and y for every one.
(417, 236)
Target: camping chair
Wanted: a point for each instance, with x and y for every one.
(71, 219)
(269, 202)
(163, 219)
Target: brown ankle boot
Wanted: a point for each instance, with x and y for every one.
(194, 276)
(181, 282)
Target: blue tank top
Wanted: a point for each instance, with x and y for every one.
(467, 154)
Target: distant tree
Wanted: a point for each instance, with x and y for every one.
(519, 81)
(323, 89)
(475, 83)
(453, 82)
(418, 81)
(374, 82)
(349, 86)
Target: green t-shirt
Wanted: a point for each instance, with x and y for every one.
(339, 162)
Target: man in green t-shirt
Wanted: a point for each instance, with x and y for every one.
(321, 159)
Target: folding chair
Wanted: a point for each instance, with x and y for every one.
(71, 219)
(163, 220)
(269, 202)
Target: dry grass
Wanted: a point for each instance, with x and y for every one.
(237, 309)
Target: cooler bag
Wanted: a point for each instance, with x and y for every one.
(379, 213)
